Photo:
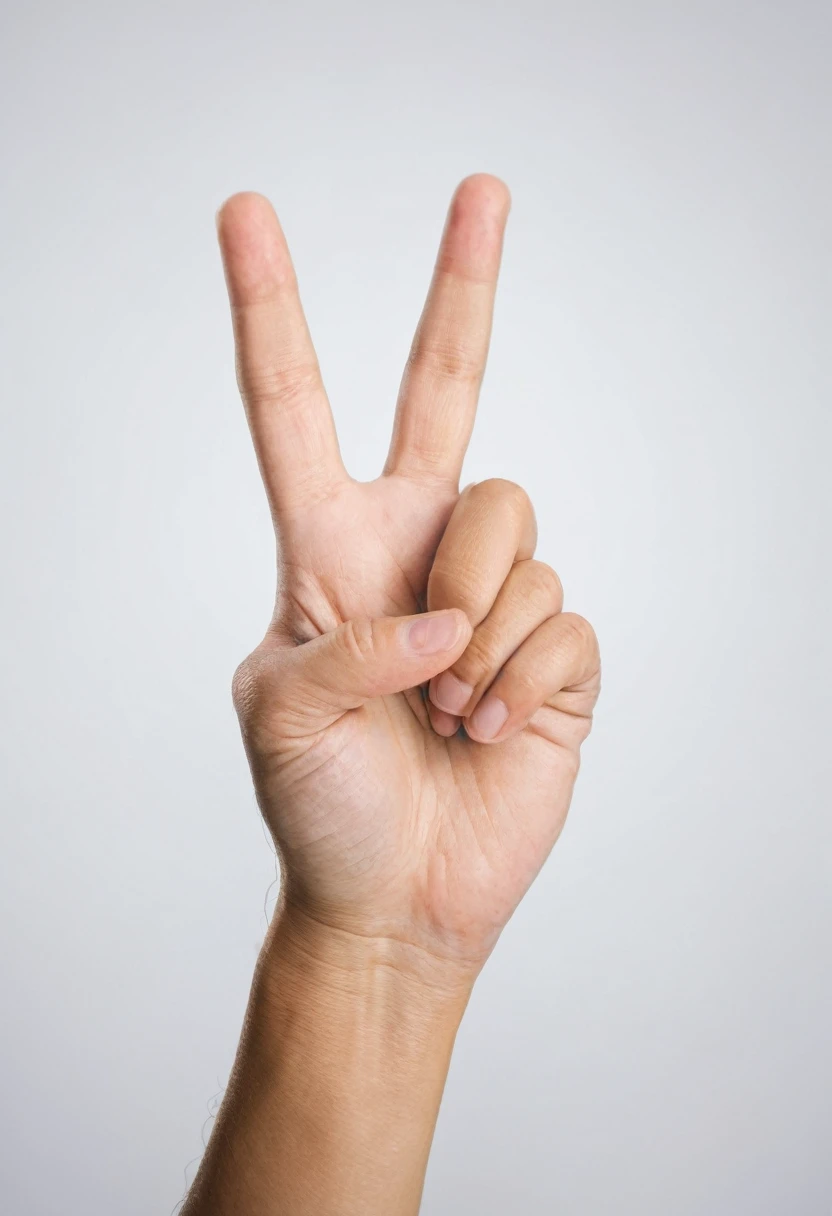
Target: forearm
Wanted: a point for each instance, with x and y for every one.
(334, 1095)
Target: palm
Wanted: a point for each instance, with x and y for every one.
(444, 831)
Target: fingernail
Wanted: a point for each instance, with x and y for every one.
(444, 724)
(433, 633)
(450, 693)
(489, 717)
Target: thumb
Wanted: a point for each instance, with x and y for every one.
(362, 659)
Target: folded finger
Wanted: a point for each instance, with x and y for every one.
(560, 655)
(531, 594)
(492, 527)
(444, 724)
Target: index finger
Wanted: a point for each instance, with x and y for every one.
(277, 369)
(438, 396)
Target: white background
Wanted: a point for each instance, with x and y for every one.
(651, 1035)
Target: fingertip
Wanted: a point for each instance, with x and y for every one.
(484, 192)
(473, 237)
(245, 204)
(488, 721)
(445, 725)
(254, 251)
(446, 631)
(450, 694)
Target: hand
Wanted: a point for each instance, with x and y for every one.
(414, 714)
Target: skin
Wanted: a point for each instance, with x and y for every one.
(413, 720)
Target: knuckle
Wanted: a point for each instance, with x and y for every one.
(289, 383)
(525, 683)
(444, 359)
(358, 639)
(506, 503)
(578, 634)
(584, 729)
(479, 659)
(541, 585)
(507, 494)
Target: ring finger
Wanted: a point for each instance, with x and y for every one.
(530, 595)
(558, 666)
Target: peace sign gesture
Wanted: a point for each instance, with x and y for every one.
(414, 715)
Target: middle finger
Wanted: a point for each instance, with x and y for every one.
(492, 527)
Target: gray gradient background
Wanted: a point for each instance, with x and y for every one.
(651, 1035)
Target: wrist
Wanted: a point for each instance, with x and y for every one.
(341, 1068)
(332, 963)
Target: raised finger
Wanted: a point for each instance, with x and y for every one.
(277, 369)
(439, 391)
